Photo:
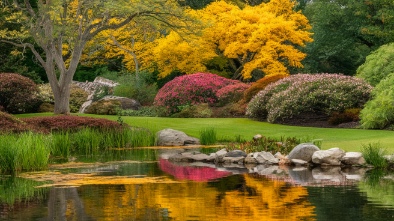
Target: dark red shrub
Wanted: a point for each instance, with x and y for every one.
(18, 94)
(63, 122)
(11, 124)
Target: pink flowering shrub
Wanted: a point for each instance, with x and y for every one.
(231, 93)
(308, 93)
(191, 90)
(18, 94)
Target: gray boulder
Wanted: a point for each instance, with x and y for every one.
(331, 156)
(303, 152)
(170, 137)
(353, 158)
(266, 158)
(299, 163)
(236, 153)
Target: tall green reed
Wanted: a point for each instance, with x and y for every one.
(25, 151)
(208, 136)
(373, 154)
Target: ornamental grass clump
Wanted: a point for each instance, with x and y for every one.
(373, 154)
(23, 152)
(208, 136)
(191, 90)
(319, 94)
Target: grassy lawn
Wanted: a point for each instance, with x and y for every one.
(229, 128)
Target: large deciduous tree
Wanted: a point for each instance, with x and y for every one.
(60, 30)
(265, 37)
(345, 32)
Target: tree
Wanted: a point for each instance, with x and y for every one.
(264, 37)
(61, 29)
(345, 32)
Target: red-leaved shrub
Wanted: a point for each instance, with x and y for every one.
(18, 94)
(190, 90)
(66, 123)
(11, 124)
(231, 93)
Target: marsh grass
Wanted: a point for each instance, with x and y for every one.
(373, 154)
(283, 145)
(208, 136)
(23, 152)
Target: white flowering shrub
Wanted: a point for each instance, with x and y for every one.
(317, 93)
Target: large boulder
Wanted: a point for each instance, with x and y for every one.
(303, 152)
(266, 158)
(330, 157)
(353, 158)
(170, 137)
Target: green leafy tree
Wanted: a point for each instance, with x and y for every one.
(60, 30)
(345, 32)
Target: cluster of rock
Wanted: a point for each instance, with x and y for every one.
(98, 86)
(305, 154)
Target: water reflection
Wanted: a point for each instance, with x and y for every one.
(160, 190)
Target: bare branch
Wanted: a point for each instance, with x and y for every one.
(24, 45)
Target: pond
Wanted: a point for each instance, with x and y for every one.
(142, 184)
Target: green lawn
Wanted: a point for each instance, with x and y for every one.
(229, 128)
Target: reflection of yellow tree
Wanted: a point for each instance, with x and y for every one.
(261, 200)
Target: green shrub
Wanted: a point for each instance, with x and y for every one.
(283, 145)
(194, 111)
(378, 65)
(101, 91)
(144, 111)
(319, 94)
(208, 136)
(139, 88)
(373, 155)
(261, 84)
(104, 107)
(18, 94)
(378, 113)
(78, 96)
(46, 107)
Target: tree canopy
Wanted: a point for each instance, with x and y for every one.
(60, 30)
(265, 37)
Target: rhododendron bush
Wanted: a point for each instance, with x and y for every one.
(190, 90)
(308, 93)
(231, 93)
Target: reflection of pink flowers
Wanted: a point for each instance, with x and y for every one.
(202, 174)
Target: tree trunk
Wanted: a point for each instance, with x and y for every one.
(62, 101)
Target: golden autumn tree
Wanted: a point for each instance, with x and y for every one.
(57, 31)
(263, 37)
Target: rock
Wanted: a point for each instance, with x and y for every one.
(249, 159)
(170, 137)
(331, 156)
(97, 86)
(266, 158)
(126, 103)
(257, 137)
(298, 162)
(236, 153)
(218, 156)
(389, 158)
(233, 160)
(303, 151)
(353, 158)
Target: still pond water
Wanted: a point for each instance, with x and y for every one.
(144, 185)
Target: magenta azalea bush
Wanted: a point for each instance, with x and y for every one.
(231, 93)
(308, 93)
(190, 90)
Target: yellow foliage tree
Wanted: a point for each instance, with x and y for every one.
(263, 37)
